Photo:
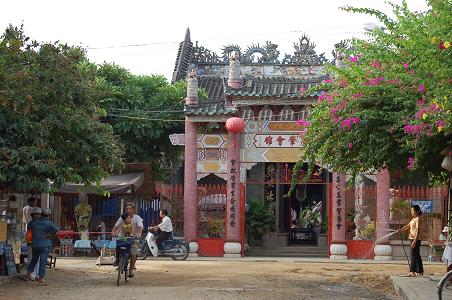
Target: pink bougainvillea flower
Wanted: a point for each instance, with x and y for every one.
(392, 81)
(410, 165)
(440, 125)
(350, 145)
(420, 102)
(302, 90)
(343, 83)
(353, 59)
(421, 88)
(374, 81)
(328, 81)
(406, 66)
(412, 129)
(376, 64)
(357, 96)
(303, 123)
(322, 96)
(441, 45)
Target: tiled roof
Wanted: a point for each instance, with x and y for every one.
(210, 108)
(274, 87)
(214, 86)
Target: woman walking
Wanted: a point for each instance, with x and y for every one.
(416, 267)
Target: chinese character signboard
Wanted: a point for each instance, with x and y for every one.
(277, 141)
(232, 195)
(425, 205)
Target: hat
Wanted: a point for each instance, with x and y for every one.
(46, 211)
(36, 210)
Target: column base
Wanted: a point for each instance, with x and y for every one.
(232, 255)
(232, 248)
(383, 252)
(338, 252)
(193, 248)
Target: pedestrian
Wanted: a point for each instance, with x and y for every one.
(46, 212)
(42, 230)
(416, 267)
(35, 214)
(26, 216)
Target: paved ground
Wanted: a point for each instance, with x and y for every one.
(249, 278)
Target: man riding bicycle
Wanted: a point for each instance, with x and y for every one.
(165, 229)
(137, 228)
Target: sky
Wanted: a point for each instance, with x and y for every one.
(103, 27)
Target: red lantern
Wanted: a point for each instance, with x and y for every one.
(235, 125)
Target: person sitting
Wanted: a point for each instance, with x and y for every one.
(125, 232)
(165, 229)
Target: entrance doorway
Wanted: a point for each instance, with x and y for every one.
(299, 209)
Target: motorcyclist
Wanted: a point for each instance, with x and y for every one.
(165, 229)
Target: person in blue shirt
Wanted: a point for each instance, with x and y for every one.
(42, 229)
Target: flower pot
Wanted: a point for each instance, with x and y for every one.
(213, 247)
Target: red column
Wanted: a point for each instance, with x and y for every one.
(190, 181)
(382, 249)
(338, 247)
(233, 189)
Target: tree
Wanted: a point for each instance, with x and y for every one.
(390, 105)
(49, 121)
(144, 111)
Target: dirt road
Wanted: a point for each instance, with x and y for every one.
(215, 279)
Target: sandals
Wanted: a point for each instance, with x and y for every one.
(42, 283)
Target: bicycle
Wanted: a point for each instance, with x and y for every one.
(123, 259)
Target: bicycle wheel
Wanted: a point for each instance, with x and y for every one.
(179, 252)
(442, 283)
(126, 267)
(144, 251)
(120, 269)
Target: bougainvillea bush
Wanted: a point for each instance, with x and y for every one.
(388, 102)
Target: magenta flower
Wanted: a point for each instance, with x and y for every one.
(350, 146)
(392, 81)
(374, 81)
(303, 123)
(353, 59)
(412, 129)
(410, 165)
(421, 88)
(440, 123)
(406, 66)
(302, 90)
(357, 96)
(322, 96)
(376, 64)
(343, 83)
(328, 81)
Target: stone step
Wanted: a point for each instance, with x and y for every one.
(291, 251)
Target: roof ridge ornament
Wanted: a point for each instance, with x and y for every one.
(304, 54)
(192, 89)
(234, 80)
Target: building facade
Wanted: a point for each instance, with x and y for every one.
(266, 90)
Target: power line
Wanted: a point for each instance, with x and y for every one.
(231, 37)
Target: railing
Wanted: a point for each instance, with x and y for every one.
(433, 203)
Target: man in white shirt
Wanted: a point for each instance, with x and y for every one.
(165, 229)
(137, 223)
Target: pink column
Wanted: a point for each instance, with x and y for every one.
(338, 248)
(382, 248)
(190, 181)
(233, 189)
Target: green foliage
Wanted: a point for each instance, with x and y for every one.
(369, 232)
(259, 219)
(401, 209)
(390, 105)
(144, 111)
(49, 117)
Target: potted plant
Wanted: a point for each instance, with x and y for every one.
(259, 220)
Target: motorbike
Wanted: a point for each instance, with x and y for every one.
(174, 247)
